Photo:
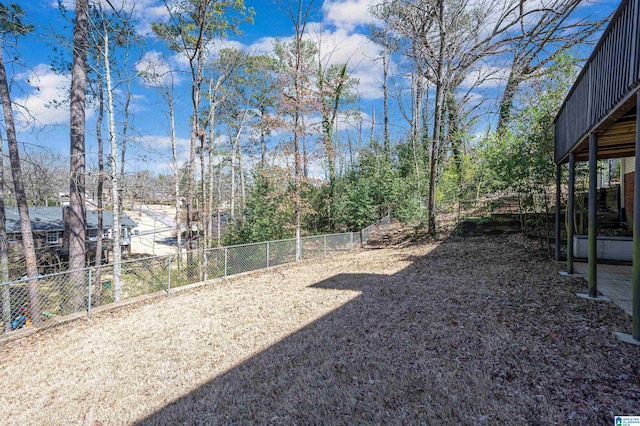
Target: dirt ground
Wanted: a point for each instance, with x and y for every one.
(476, 330)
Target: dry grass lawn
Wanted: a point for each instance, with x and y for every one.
(477, 330)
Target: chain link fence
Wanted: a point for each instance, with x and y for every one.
(72, 292)
(365, 234)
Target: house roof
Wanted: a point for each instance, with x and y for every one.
(50, 219)
(107, 219)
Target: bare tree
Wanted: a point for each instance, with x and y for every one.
(545, 33)
(44, 175)
(11, 24)
(296, 58)
(113, 161)
(156, 73)
(448, 38)
(226, 70)
(191, 30)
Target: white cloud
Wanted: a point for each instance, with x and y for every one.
(347, 14)
(45, 102)
(263, 46)
(359, 52)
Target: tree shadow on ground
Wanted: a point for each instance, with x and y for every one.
(450, 339)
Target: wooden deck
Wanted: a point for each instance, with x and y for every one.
(602, 99)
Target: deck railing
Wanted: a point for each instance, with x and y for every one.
(608, 77)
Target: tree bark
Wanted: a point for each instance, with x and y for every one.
(99, 201)
(506, 104)
(76, 219)
(437, 122)
(115, 194)
(385, 104)
(31, 261)
(4, 255)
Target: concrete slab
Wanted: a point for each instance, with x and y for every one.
(597, 299)
(626, 338)
(155, 238)
(614, 282)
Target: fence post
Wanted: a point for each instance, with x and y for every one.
(325, 245)
(168, 274)
(351, 242)
(205, 261)
(267, 254)
(225, 261)
(89, 297)
(6, 307)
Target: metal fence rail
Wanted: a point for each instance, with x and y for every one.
(70, 292)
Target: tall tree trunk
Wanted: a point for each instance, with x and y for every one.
(506, 103)
(210, 194)
(305, 158)
(125, 140)
(4, 253)
(263, 143)
(415, 130)
(115, 187)
(176, 183)
(203, 190)
(197, 66)
(75, 217)
(243, 191)
(372, 141)
(233, 181)
(31, 262)
(456, 144)
(100, 204)
(219, 205)
(385, 105)
(437, 123)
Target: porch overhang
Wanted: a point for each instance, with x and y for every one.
(598, 120)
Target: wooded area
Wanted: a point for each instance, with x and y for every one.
(280, 144)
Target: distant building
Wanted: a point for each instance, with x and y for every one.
(48, 230)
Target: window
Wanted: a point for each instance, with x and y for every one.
(93, 233)
(12, 238)
(53, 237)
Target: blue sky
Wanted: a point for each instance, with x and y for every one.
(340, 24)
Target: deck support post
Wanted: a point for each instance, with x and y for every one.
(593, 216)
(635, 279)
(558, 201)
(571, 195)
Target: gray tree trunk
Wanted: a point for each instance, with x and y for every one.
(113, 159)
(4, 255)
(101, 178)
(75, 217)
(28, 246)
(437, 123)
